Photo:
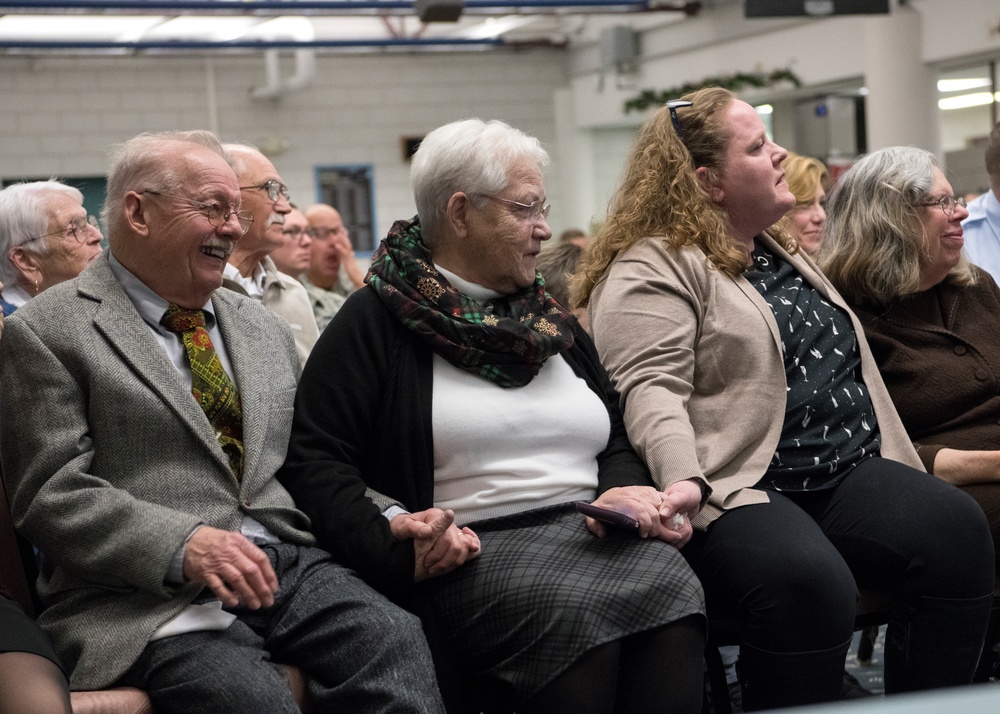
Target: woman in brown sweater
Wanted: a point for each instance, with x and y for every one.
(894, 250)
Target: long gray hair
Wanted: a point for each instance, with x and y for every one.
(874, 242)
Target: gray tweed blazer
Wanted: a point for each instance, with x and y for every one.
(109, 462)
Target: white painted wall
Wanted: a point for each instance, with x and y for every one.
(896, 56)
(58, 116)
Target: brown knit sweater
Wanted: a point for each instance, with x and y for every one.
(939, 354)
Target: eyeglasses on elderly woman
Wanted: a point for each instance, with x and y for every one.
(77, 229)
(534, 211)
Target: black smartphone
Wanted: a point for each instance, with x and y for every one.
(609, 516)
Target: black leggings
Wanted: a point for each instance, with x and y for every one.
(789, 570)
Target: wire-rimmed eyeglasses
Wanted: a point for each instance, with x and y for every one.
(216, 213)
(77, 229)
(672, 106)
(947, 204)
(532, 211)
(274, 188)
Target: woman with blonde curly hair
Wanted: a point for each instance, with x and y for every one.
(740, 366)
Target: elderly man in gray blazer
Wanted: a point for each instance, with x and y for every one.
(140, 453)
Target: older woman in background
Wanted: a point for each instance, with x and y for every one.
(557, 264)
(739, 364)
(46, 237)
(455, 386)
(808, 180)
(894, 250)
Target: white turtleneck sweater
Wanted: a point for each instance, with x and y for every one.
(500, 451)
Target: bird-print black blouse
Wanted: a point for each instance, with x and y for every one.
(829, 424)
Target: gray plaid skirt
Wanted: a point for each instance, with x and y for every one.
(545, 590)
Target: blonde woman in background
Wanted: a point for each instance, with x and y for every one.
(808, 180)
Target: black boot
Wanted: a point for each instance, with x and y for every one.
(937, 645)
(771, 680)
(988, 660)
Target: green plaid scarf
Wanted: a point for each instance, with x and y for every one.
(505, 340)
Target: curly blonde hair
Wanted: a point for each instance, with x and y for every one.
(661, 195)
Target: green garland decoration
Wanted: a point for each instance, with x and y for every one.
(735, 82)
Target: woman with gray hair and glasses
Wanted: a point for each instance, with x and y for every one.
(894, 249)
(454, 385)
(46, 237)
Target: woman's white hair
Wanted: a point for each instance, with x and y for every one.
(471, 156)
(874, 242)
(24, 216)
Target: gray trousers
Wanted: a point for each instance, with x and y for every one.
(360, 652)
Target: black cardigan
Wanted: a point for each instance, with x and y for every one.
(363, 420)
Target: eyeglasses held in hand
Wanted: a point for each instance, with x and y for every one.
(672, 106)
(532, 211)
(274, 189)
(947, 204)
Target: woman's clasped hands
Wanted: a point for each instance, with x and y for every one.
(665, 514)
(439, 545)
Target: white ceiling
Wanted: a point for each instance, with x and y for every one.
(40, 26)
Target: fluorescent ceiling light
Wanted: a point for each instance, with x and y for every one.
(204, 27)
(298, 28)
(962, 84)
(75, 27)
(963, 101)
(764, 109)
(493, 27)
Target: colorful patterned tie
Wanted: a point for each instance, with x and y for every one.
(214, 391)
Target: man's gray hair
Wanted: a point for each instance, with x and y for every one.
(142, 163)
(24, 216)
(471, 156)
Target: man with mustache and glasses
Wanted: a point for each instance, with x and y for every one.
(250, 269)
(143, 415)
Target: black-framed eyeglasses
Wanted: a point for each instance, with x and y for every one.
(77, 229)
(532, 211)
(672, 106)
(218, 214)
(274, 188)
(947, 204)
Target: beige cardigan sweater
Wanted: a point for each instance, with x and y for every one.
(696, 356)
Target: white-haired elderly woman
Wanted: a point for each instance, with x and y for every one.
(894, 250)
(454, 385)
(46, 237)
